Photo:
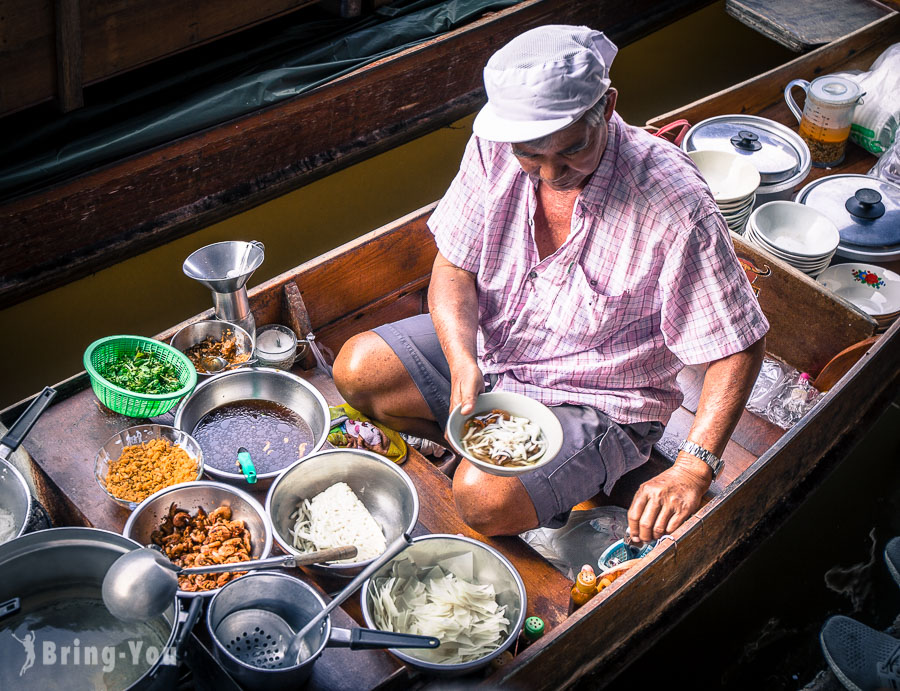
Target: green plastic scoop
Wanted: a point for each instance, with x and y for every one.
(246, 464)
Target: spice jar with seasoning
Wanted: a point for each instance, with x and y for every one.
(826, 117)
(584, 589)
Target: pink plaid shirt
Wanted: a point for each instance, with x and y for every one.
(646, 281)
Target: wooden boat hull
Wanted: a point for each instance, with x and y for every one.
(69, 230)
(768, 472)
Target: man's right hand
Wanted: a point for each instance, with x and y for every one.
(466, 382)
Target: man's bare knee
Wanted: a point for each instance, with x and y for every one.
(492, 505)
(353, 368)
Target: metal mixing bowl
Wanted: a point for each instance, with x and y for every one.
(255, 383)
(216, 329)
(489, 567)
(381, 485)
(189, 496)
(15, 496)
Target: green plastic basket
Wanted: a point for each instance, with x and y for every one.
(128, 402)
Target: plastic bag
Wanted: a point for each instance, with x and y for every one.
(781, 394)
(876, 118)
(584, 537)
(773, 377)
(888, 166)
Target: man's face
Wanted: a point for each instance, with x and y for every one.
(571, 156)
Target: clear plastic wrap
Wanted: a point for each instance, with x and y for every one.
(888, 166)
(582, 540)
(781, 394)
(876, 118)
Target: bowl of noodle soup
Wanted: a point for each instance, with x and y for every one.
(506, 434)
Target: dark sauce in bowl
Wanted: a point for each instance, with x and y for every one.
(274, 435)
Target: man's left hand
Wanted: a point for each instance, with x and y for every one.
(664, 502)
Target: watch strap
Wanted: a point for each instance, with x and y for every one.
(705, 455)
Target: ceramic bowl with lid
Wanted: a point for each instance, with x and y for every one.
(777, 152)
(866, 211)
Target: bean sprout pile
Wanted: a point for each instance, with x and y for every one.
(503, 439)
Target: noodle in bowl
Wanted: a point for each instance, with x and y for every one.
(527, 437)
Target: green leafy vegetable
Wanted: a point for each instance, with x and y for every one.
(141, 373)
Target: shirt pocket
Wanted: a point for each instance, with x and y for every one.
(582, 317)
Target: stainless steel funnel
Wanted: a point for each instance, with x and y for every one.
(225, 268)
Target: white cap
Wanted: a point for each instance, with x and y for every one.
(543, 81)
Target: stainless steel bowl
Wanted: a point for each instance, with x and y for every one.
(255, 383)
(381, 485)
(217, 329)
(189, 496)
(489, 567)
(15, 496)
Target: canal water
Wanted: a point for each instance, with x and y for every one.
(758, 629)
(46, 335)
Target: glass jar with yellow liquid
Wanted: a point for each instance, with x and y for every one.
(826, 117)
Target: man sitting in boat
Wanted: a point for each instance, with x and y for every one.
(581, 262)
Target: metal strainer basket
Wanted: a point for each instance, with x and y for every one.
(252, 621)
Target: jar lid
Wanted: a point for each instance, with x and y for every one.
(778, 153)
(534, 628)
(865, 209)
(835, 91)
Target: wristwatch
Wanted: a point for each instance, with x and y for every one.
(704, 455)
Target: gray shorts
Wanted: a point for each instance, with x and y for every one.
(596, 450)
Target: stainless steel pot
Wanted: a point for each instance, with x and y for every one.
(15, 495)
(56, 633)
(778, 153)
(255, 383)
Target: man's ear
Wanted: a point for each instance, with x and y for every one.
(612, 96)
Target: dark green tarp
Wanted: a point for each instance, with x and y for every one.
(296, 59)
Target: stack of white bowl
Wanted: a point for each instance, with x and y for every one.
(798, 234)
(733, 181)
(873, 289)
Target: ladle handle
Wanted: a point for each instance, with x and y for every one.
(397, 546)
(323, 555)
(286, 561)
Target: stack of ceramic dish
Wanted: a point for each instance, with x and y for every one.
(733, 181)
(876, 291)
(797, 234)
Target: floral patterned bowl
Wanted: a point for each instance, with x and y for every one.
(875, 290)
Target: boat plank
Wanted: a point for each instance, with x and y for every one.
(783, 293)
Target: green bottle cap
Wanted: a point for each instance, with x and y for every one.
(534, 628)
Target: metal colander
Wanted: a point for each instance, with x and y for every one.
(259, 638)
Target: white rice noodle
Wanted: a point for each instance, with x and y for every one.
(507, 440)
(333, 518)
(7, 526)
(434, 601)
